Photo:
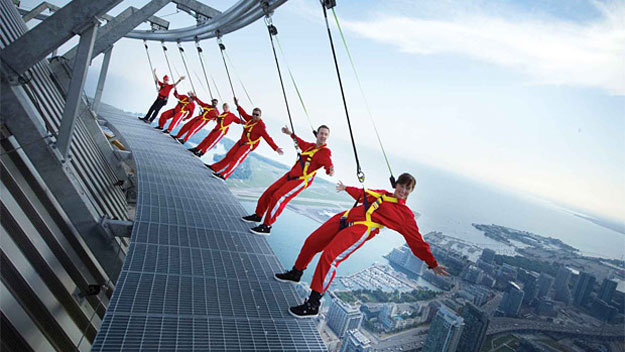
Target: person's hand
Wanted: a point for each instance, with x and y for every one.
(154, 71)
(236, 101)
(181, 78)
(340, 186)
(286, 130)
(440, 270)
(331, 171)
(280, 151)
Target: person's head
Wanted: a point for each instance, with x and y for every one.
(323, 132)
(214, 102)
(256, 114)
(404, 186)
(166, 78)
(225, 107)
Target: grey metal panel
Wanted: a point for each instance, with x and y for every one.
(194, 277)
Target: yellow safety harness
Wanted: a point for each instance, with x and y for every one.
(305, 164)
(248, 129)
(380, 198)
(220, 122)
(184, 103)
(206, 111)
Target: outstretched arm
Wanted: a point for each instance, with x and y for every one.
(178, 81)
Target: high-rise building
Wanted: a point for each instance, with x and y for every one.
(355, 341)
(403, 257)
(387, 313)
(530, 287)
(561, 285)
(343, 317)
(545, 281)
(583, 288)
(488, 255)
(474, 332)
(445, 332)
(608, 287)
(512, 299)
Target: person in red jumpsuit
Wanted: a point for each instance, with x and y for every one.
(253, 131)
(345, 232)
(209, 112)
(221, 129)
(312, 157)
(163, 92)
(183, 109)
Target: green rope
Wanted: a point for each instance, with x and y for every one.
(336, 19)
(299, 95)
(235, 73)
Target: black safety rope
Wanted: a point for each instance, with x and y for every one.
(272, 30)
(199, 54)
(222, 48)
(184, 62)
(359, 173)
(147, 52)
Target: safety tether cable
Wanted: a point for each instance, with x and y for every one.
(222, 49)
(349, 55)
(199, 54)
(186, 68)
(299, 95)
(147, 52)
(272, 30)
(167, 59)
(359, 173)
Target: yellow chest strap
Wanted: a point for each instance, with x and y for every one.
(220, 120)
(309, 155)
(206, 111)
(248, 129)
(380, 198)
(184, 102)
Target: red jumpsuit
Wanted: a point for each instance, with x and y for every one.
(280, 193)
(252, 133)
(221, 129)
(184, 107)
(338, 244)
(192, 127)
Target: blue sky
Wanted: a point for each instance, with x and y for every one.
(523, 95)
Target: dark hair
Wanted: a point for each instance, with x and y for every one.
(323, 126)
(407, 179)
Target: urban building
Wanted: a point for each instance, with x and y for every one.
(342, 317)
(583, 289)
(561, 285)
(355, 341)
(530, 287)
(602, 310)
(606, 292)
(445, 331)
(488, 255)
(387, 314)
(512, 299)
(404, 258)
(474, 332)
(545, 281)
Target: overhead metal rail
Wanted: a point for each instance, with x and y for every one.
(241, 14)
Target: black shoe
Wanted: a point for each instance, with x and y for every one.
(158, 127)
(252, 218)
(261, 229)
(219, 176)
(192, 150)
(181, 141)
(306, 310)
(165, 131)
(198, 153)
(146, 121)
(292, 275)
(209, 167)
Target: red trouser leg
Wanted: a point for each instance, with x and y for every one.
(198, 125)
(279, 197)
(265, 198)
(164, 117)
(337, 245)
(187, 126)
(176, 119)
(242, 153)
(223, 163)
(210, 141)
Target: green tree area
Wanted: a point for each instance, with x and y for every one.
(379, 296)
(527, 264)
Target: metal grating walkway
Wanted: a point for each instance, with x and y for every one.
(194, 279)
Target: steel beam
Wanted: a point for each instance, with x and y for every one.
(74, 94)
(38, 10)
(103, 71)
(195, 8)
(120, 26)
(40, 41)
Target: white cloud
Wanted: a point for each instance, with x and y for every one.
(548, 50)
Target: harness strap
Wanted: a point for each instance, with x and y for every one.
(206, 111)
(380, 198)
(310, 153)
(248, 129)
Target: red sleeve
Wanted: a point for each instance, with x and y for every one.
(327, 160)
(302, 144)
(407, 227)
(245, 116)
(234, 118)
(177, 95)
(266, 136)
(354, 192)
(200, 102)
